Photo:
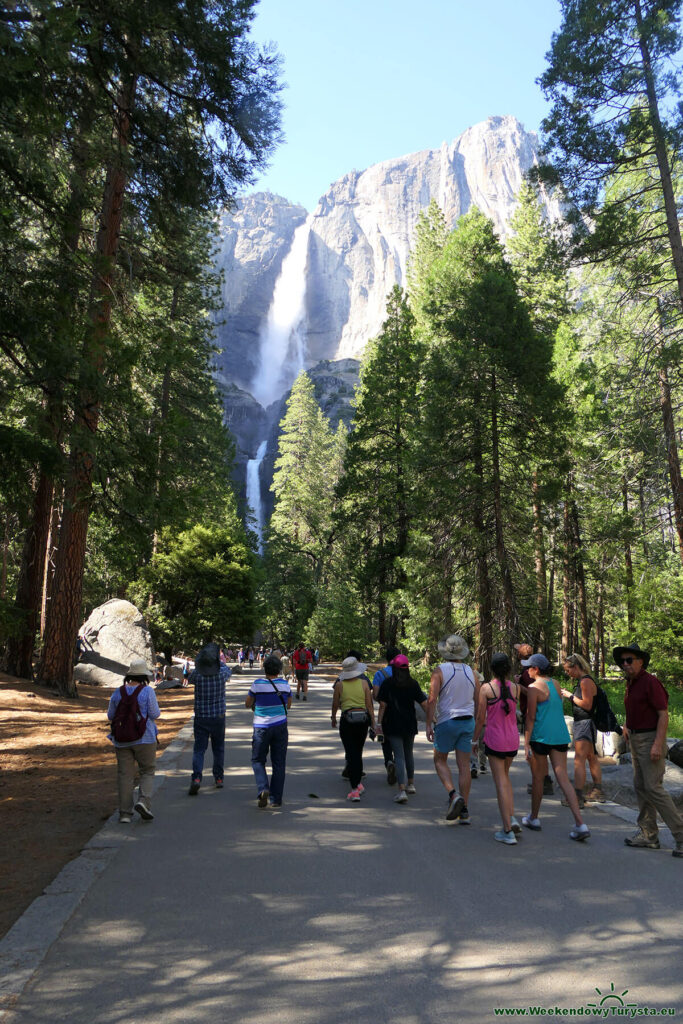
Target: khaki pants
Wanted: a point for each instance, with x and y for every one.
(143, 757)
(650, 793)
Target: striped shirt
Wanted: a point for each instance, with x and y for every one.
(268, 708)
(209, 693)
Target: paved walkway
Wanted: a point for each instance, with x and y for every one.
(328, 912)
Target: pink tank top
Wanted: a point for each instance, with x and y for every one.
(500, 732)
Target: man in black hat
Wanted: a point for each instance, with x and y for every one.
(209, 679)
(647, 719)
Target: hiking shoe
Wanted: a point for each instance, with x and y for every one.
(143, 810)
(473, 771)
(391, 774)
(263, 798)
(125, 819)
(455, 806)
(505, 837)
(194, 787)
(580, 832)
(515, 826)
(464, 816)
(533, 823)
(548, 788)
(641, 842)
(410, 788)
(304, 697)
(219, 783)
(354, 796)
(401, 797)
(678, 850)
(595, 796)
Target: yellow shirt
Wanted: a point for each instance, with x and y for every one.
(353, 693)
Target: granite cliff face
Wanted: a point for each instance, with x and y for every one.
(356, 244)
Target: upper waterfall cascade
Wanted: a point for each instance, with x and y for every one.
(254, 492)
(282, 338)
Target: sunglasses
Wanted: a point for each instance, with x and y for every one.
(627, 661)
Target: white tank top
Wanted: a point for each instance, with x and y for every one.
(456, 696)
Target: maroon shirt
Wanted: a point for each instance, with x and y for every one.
(644, 697)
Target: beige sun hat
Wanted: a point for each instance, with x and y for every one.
(352, 668)
(453, 648)
(139, 667)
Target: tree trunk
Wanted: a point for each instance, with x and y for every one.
(551, 589)
(19, 656)
(672, 458)
(662, 154)
(628, 561)
(643, 521)
(483, 582)
(579, 576)
(5, 553)
(50, 557)
(63, 618)
(542, 630)
(511, 614)
(567, 581)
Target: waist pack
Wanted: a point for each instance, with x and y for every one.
(356, 716)
(128, 724)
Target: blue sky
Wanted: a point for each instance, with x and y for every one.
(369, 80)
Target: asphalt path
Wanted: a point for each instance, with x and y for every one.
(327, 912)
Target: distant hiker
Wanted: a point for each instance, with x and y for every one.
(546, 736)
(187, 668)
(496, 731)
(398, 695)
(380, 676)
(240, 655)
(453, 698)
(316, 656)
(250, 656)
(583, 698)
(209, 679)
(286, 669)
(223, 657)
(647, 720)
(524, 681)
(351, 695)
(271, 699)
(302, 666)
(133, 710)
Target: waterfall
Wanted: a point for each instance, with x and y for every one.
(282, 337)
(254, 492)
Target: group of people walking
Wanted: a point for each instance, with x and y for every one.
(463, 713)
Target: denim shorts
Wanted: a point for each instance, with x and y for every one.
(454, 734)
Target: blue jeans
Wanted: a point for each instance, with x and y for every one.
(273, 739)
(402, 747)
(206, 729)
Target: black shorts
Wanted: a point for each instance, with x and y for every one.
(545, 748)
(502, 754)
(301, 675)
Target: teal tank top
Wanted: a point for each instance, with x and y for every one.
(549, 724)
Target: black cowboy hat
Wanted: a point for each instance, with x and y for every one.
(633, 649)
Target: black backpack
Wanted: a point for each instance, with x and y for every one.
(603, 716)
(128, 724)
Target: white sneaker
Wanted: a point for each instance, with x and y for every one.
(143, 810)
(515, 826)
(401, 797)
(579, 833)
(410, 788)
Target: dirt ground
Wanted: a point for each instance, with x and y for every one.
(57, 780)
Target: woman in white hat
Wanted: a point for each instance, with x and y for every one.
(133, 710)
(352, 695)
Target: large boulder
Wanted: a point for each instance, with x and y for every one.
(115, 633)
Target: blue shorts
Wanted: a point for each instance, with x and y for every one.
(454, 734)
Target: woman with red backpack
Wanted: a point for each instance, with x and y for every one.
(133, 710)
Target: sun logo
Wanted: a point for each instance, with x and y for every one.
(612, 997)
